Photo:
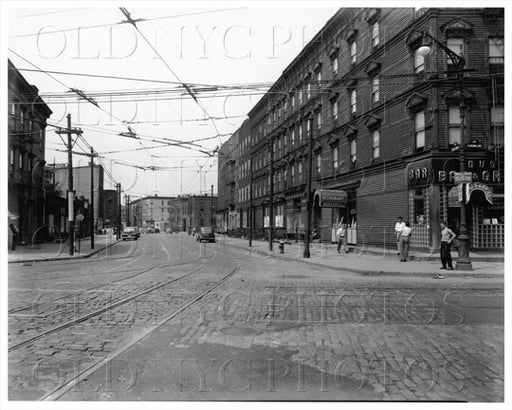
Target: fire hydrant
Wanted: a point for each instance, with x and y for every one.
(281, 246)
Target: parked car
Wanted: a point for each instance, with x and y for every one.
(129, 233)
(205, 234)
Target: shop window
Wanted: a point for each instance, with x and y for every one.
(419, 206)
(498, 125)
(419, 130)
(496, 51)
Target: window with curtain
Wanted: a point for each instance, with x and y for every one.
(419, 130)
(419, 62)
(375, 90)
(453, 125)
(496, 50)
(334, 63)
(498, 125)
(375, 34)
(457, 46)
(353, 52)
(353, 101)
(375, 144)
(353, 151)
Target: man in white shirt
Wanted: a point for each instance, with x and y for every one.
(405, 237)
(398, 229)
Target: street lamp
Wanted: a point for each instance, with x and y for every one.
(458, 61)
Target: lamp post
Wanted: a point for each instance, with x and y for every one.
(458, 61)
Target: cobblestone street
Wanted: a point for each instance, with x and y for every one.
(275, 329)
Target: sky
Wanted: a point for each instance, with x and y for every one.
(227, 54)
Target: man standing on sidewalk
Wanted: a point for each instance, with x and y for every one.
(405, 237)
(14, 231)
(398, 229)
(342, 233)
(447, 236)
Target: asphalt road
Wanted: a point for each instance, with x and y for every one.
(166, 318)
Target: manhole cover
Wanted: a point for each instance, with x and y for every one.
(239, 331)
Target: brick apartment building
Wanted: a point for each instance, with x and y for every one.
(384, 127)
(28, 115)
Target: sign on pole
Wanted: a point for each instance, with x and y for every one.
(462, 177)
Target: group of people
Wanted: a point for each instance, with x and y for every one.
(403, 236)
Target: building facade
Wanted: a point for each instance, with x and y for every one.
(377, 128)
(228, 160)
(151, 212)
(28, 116)
(82, 186)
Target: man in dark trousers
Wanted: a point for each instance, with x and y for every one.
(14, 231)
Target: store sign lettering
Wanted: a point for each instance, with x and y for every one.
(483, 176)
(418, 173)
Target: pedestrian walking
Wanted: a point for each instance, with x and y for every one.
(15, 233)
(398, 228)
(447, 237)
(405, 236)
(342, 234)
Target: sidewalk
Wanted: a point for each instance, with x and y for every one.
(59, 251)
(372, 261)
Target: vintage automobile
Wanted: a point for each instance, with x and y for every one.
(205, 234)
(130, 232)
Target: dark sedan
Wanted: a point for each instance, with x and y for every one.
(205, 234)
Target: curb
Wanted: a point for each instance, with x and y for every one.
(64, 258)
(366, 272)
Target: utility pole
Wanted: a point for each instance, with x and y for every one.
(118, 185)
(308, 193)
(71, 195)
(92, 199)
(128, 211)
(211, 209)
(200, 181)
(250, 202)
(271, 202)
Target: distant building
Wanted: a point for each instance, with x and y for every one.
(110, 208)
(28, 114)
(192, 212)
(151, 212)
(229, 156)
(82, 186)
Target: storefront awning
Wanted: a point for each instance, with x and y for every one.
(328, 198)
